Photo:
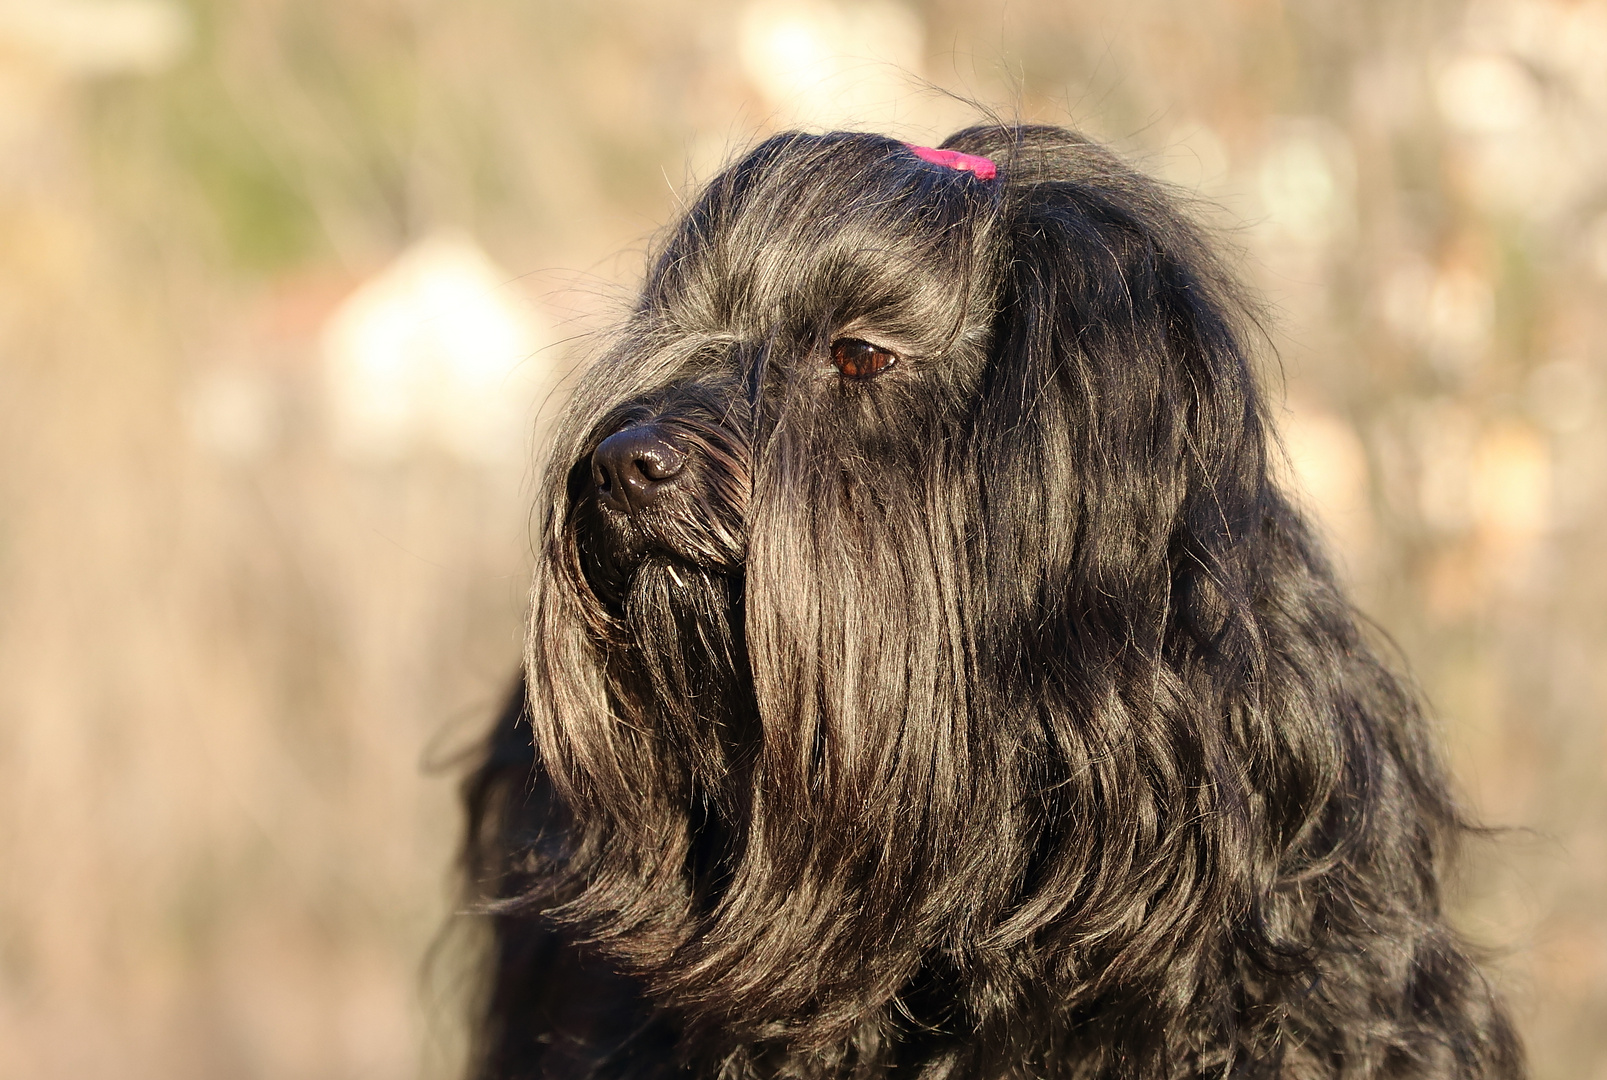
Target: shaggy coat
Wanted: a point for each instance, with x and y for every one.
(929, 679)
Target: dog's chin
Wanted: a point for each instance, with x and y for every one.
(678, 616)
(685, 662)
(631, 580)
(661, 582)
(664, 560)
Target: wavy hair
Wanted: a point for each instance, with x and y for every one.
(988, 713)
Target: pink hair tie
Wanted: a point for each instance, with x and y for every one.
(953, 159)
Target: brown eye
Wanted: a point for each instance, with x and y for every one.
(858, 359)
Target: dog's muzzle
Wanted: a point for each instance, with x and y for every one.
(668, 489)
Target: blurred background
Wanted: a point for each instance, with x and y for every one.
(287, 286)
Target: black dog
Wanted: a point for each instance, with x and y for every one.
(926, 679)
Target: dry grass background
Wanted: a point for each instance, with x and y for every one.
(234, 636)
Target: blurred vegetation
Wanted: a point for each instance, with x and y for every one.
(243, 633)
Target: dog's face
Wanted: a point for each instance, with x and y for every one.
(787, 326)
(871, 545)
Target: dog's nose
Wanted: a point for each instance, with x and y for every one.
(632, 468)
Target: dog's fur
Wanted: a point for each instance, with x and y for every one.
(996, 716)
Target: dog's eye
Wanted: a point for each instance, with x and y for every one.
(858, 359)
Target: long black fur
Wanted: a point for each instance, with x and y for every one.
(993, 717)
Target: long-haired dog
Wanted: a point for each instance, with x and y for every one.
(927, 678)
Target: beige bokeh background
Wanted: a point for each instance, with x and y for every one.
(286, 285)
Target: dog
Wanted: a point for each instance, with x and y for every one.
(927, 676)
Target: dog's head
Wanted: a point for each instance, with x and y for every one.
(900, 619)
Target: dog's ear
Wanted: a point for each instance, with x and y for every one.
(1123, 503)
(1118, 424)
